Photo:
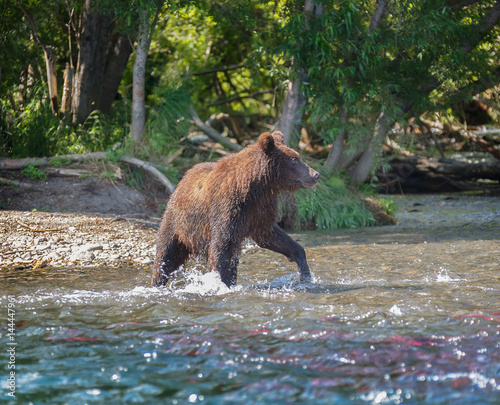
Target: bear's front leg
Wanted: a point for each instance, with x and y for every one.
(278, 241)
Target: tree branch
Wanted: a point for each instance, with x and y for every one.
(233, 99)
(377, 16)
(33, 27)
(151, 169)
(210, 71)
(212, 133)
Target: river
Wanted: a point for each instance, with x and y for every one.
(401, 314)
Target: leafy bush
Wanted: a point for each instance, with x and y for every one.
(388, 205)
(34, 173)
(331, 205)
(34, 131)
(59, 161)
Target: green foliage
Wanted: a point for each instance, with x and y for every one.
(107, 174)
(213, 35)
(330, 205)
(171, 172)
(416, 44)
(45, 208)
(134, 178)
(388, 205)
(168, 118)
(8, 183)
(34, 173)
(28, 133)
(34, 131)
(59, 161)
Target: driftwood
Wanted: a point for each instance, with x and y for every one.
(31, 229)
(421, 174)
(478, 139)
(17, 164)
(64, 172)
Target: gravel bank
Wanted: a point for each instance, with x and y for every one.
(38, 239)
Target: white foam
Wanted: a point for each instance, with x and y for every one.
(443, 277)
(201, 283)
(395, 310)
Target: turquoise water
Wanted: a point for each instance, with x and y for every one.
(403, 314)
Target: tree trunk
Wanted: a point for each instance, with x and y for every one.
(67, 87)
(102, 58)
(50, 63)
(139, 73)
(347, 160)
(338, 145)
(120, 47)
(90, 62)
(291, 117)
(362, 169)
(377, 15)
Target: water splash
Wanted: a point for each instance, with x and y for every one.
(443, 277)
(196, 281)
(395, 310)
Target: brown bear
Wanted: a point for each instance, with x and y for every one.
(217, 205)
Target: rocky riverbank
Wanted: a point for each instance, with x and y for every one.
(38, 239)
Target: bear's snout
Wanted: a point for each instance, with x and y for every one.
(314, 177)
(310, 179)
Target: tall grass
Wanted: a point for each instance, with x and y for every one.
(331, 205)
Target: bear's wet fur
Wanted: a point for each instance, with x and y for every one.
(217, 205)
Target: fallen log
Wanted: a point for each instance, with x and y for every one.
(422, 174)
(17, 164)
(14, 183)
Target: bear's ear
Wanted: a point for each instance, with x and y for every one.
(279, 138)
(266, 142)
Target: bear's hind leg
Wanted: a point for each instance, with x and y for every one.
(224, 260)
(168, 260)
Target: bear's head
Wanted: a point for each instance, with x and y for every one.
(293, 173)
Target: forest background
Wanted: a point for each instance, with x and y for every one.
(178, 82)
